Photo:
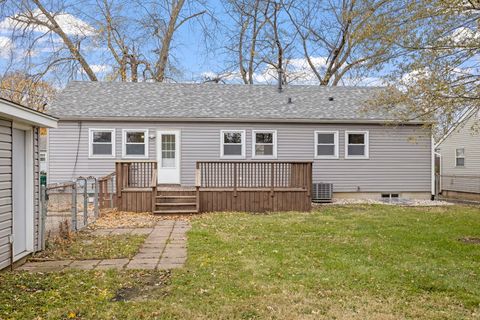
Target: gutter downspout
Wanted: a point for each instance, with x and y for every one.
(439, 172)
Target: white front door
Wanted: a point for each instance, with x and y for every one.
(19, 178)
(168, 156)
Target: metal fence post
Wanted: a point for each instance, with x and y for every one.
(85, 202)
(95, 198)
(43, 214)
(74, 206)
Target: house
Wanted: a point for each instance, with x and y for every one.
(363, 154)
(19, 180)
(459, 153)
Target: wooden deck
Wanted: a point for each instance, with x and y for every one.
(252, 186)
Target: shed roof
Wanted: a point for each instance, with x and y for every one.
(220, 102)
(14, 111)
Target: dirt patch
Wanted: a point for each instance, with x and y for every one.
(146, 287)
(470, 240)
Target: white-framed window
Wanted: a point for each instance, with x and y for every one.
(135, 143)
(460, 157)
(232, 144)
(101, 143)
(326, 144)
(264, 144)
(356, 145)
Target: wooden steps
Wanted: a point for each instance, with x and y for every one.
(176, 201)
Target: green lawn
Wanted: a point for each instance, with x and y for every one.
(86, 246)
(358, 262)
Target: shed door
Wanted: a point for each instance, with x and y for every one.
(19, 192)
(168, 155)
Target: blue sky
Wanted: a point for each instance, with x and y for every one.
(188, 46)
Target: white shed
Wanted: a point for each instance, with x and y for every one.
(19, 180)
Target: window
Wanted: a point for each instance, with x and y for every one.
(356, 144)
(135, 143)
(460, 157)
(102, 143)
(264, 144)
(168, 150)
(326, 144)
(233, 144)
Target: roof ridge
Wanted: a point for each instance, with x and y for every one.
(263, 85)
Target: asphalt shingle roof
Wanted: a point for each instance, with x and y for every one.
(136, 101)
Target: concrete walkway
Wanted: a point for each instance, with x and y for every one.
(164, 248)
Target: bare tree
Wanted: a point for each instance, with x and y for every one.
(439, 77)
(258, 39)
(344, 34)
(25, 90)
(133, 39)
(163, 20)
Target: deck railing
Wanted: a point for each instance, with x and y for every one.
(253, 174)
(135, 174)
(106, 191)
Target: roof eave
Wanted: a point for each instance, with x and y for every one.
(23, 114)
(257, 120)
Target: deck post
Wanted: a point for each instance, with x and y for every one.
(235, 179)
(198, 183)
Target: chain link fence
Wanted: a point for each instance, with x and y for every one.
(73, 205)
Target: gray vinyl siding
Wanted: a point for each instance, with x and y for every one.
(5, 191)
(464, 136)
(400, 157)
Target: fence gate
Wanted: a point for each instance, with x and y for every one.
(68, 206)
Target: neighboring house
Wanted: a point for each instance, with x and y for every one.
(460, 159)
(363, 154)
(19, 180)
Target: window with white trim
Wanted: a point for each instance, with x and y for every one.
(101, 143)
(232, 143)
(460, 157)
(356, 144)
(135, 143)
(264, 144)
(326, 144)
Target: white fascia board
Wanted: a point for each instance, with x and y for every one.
(25, 115)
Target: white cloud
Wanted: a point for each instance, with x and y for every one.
(6, 47)
(70, 24)
(298, 72)
(100, 68)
